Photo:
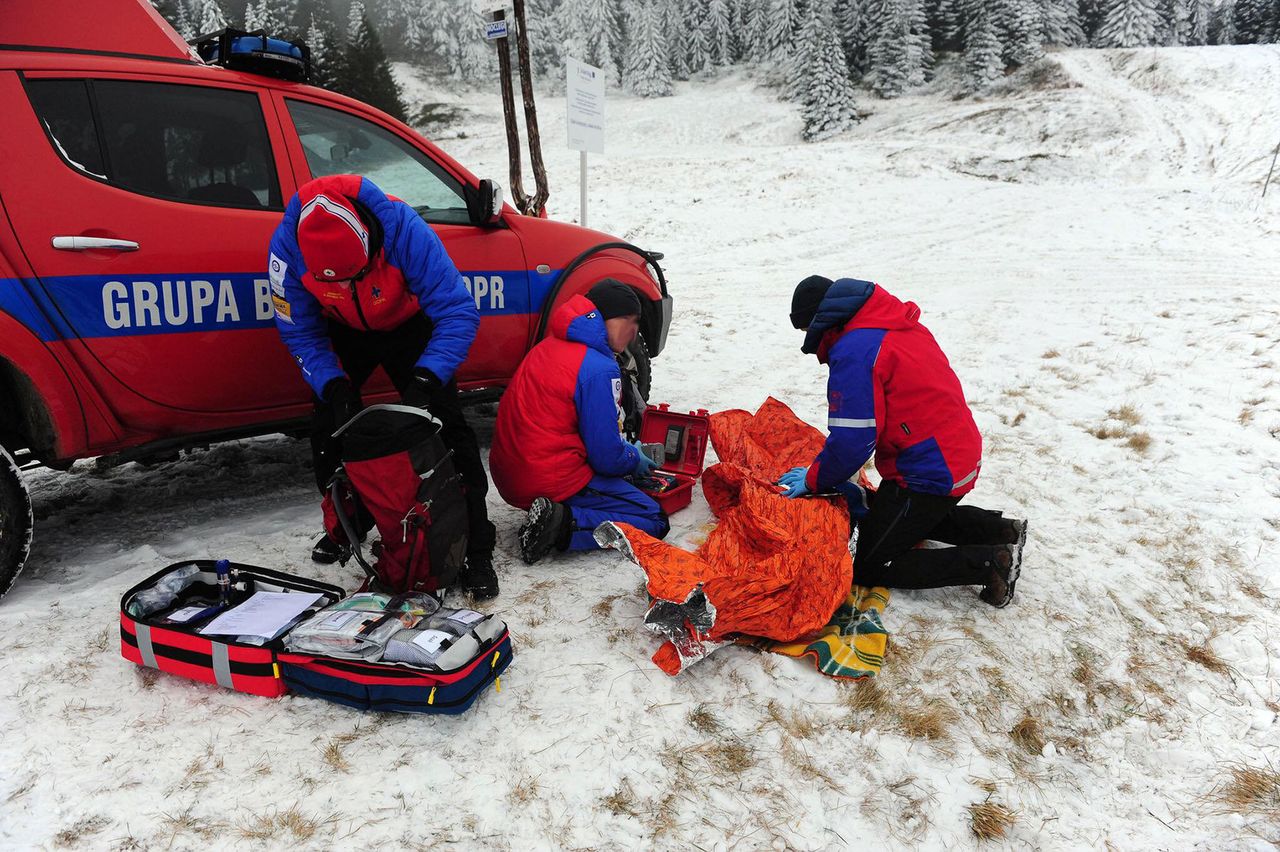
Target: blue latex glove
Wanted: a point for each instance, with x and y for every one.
(645, 465)
(794, 481)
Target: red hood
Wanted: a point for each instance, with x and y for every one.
(884, 310)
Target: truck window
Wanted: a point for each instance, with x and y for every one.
(337, 143)
(184, 143)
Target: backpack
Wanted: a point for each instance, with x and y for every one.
(397, 474)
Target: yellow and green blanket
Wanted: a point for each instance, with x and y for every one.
(852, 644)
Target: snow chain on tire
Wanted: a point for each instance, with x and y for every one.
(16, 522)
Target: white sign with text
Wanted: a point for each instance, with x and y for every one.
(584, 91)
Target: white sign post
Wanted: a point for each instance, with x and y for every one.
(584, 93)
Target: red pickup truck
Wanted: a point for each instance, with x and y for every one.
(139, 188)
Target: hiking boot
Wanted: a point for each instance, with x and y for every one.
(1016, 532)
(326, 551)
(544, 528)
(1004, 566)
(478, 577)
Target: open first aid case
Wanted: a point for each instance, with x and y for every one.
(174, 637)
(684, 448)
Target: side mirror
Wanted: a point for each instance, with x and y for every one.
(484, 203)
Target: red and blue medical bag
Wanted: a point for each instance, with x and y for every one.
(152, 640)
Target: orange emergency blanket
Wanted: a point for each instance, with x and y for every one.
(773, 567)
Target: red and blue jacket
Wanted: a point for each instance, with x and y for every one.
(410, 272)
(892, 392)
(560, 419)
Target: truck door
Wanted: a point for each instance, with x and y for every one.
(145, 209)
(327, 140)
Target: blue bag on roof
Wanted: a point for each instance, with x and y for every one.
(256, 53)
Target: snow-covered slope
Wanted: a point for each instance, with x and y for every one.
(1090, 248)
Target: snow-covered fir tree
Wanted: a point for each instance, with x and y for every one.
(719, 33)
(593, 33)
(1173, 26)
(1060, 21)
(1199, 14)
(648, 69)
(366, 71)
(781, 28)
(853, 19)
(1021, 30)
(899, 52)
(678, 35)
(827, 98)
(262, 15)
(753, 39)
(546, 48)
(206, 16)
(327, 60)
(982, 50)
(1128, 23)
(697, 46)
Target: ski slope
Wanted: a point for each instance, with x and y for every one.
(1088, 244)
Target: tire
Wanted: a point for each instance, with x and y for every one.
(637, 380)
(16, 522)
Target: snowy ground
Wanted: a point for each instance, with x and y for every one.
(1093, 255)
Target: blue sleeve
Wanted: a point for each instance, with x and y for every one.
(431, 276)
(298, 316)
(854, 401)
(598, 401)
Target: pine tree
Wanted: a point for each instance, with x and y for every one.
(755, 28)
(982, 48)
(1021, 31)
(1092, 14)
(1061, 23)
(328, 66)
(827, 100)
(781, 30)
(368, 73)
(678, 35)
(261, 15)
(1173, 25)
(853, 18)
(1199, 14)
(206, 17)
(697, 46)
(1222, 23)
(1129, 23)
(648, 72)
(546, 47)
(719, 33)
(898, 52)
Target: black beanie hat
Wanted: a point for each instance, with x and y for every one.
(614, 299)
(808, 296)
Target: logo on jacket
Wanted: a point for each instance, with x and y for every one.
(834, 400)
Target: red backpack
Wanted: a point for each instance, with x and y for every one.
(397, 474)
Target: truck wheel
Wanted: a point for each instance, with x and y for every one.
(641, 367)
(637, 377)
(16, 522)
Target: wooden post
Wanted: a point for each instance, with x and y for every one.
(509, 117)
(541, 192)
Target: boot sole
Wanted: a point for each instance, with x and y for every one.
(541, 513)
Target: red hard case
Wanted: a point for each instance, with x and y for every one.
(685, 438)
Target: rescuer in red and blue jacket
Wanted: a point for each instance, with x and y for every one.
(892, 393)
(358, 281)
(558, 449)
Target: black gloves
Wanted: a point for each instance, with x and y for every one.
(342, 398)
(422, 388)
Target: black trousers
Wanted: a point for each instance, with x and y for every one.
(397, 351)
(900, 518)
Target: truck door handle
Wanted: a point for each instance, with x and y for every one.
(83, 243)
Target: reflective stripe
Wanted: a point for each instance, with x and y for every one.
(852, 424)
(148, 654)
(221, 665)
(973, 473)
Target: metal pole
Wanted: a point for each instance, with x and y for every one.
(1270, 170)
(582, 182)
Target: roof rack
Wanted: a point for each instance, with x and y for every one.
(256, 53)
